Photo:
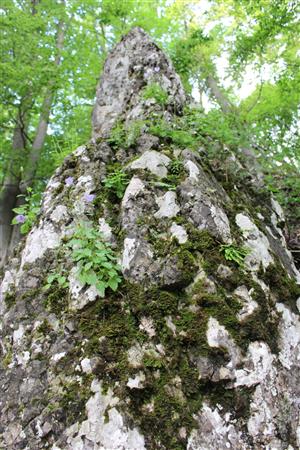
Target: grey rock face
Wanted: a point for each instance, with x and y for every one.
(193, 351)
(135, 63)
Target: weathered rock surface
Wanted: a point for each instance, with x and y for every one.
(135, 63)
(192, 351)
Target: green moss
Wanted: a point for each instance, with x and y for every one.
(10, 299)
(218, 305)
(169, 410)
(237, 278)
(73, 400)
(237, 400)
(57, 300)
(262, 325)
(161, 425)
(108, 330)
(187, 265)
(284, 288)
(199, 240)
(7, 359)
(109, 327)
(44, 328)
(28, 297)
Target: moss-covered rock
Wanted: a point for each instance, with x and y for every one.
(193, 348)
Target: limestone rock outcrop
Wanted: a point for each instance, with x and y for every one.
(196, 345)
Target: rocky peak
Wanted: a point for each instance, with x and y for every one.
(135, 65)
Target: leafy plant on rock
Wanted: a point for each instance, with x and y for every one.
(156, 92)
(117, 136)
(176, 167)
(122, 136)
(26, 214)
(161, 184)
(97, 262)
(117, 182)
(234, 253)
(59, 278)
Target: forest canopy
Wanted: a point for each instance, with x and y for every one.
(238, 60)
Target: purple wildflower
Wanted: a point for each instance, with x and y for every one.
(20, 218)
(89, 197)
(69, 181)
(156, 69)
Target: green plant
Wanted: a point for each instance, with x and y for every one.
(161, 184)
(155, 91)
(164, 130)
(117, 182)
(27, 213)
(233, 253)
(117, 136)
(133, 132)
(97, 262)
(125, 137)
(176, 167)
(58, 278)
(152, 361)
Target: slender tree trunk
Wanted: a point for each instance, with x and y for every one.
(225, 105)
(200, 89)
(41, 132)
(10, 191)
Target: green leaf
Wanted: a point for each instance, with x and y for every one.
(51, 278)
(87, 266)
(100, 286)
(61, 280)
(113, 283)
(91, 278)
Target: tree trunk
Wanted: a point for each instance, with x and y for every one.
(225, 105)
(41, 132)
(10, 191)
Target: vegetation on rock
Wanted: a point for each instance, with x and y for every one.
(147, 302)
